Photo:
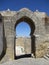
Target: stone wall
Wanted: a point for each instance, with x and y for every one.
(39, 23)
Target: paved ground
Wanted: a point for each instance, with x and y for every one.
(28, 61)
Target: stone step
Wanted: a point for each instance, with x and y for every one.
(47, 55)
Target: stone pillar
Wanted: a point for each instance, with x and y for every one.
(9, 55)
(9, 36)
(10, 47)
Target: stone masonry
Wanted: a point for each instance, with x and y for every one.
(39, 25)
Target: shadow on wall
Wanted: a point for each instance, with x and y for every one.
(33, 46)
(4, 45)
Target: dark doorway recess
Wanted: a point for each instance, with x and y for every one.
(23, 56)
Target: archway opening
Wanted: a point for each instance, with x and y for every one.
(23, 30)
(24, 40)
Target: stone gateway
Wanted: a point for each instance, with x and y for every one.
(39, 35)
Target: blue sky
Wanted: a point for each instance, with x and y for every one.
(41, 5)
(23, 29)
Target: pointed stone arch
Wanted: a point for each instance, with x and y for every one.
(25, 13)
(31, 19)
(36, 22)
